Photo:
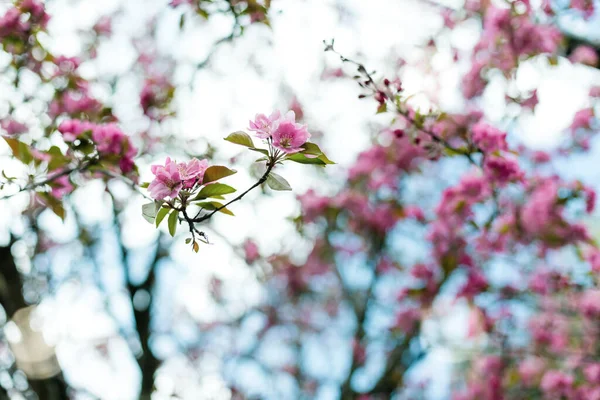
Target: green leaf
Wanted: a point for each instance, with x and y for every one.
(302, 159)
(241, 138)
(217, 172)
(161, 214)
(149, 212)
(54, 204)
(20, 150)
(213, 205)
(144, 185)
(326, 160)
(382, 108)
(311, 148)
(173, 222)
(58, 159)
(214, 189)
(277, 182)
(262, 151)
(188, 240)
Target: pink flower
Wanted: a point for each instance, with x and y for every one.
(263, 125)
(584, 55)
(13, 127)
(592, 373)
(71, 129)
(531, 102)
(290, 136)
(476, 283)
(589, 303)
(110, 140)
(167, 181)
(593, 257)
(582, 119)
(488, 138)
(40, 155)
(540, 157)
(312, 205)
(531, 369)
(586, 6)
(103, 26)
(473, 82)
(251, 253)
(192, 172)
(502, 169)
(61, 186)
(557, 383)
(406, 320)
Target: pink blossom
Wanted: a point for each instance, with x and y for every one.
(593, 257)
(13, 127)
(594, 91)
(502, 169)
(476, 283)
(263, 125)
(40, 155)
(167, 181)
(406, 320)
(61, 186)
(103, 26)
(531, 102)
(67, 64)
(592, 373)
(312, 205)
(488, 138)
(111, 141)
(582, 119)
(175, 3)
(289, 136)
(589, 303)
(531, 369)
(296, 107)
(586, 6)
(541, 157)
(71, 129)
(557, 383)
(251, 253)
(414, 212)
(584, 55)
(473, 83)
(192, 172)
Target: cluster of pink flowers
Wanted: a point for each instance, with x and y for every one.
(171, 178)
(14, 24)
(286, 135)
(108, 138)
(499, 165)
(489, 139)
(75, 103)
(585, 6)
(542, 217)
(506, 37)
